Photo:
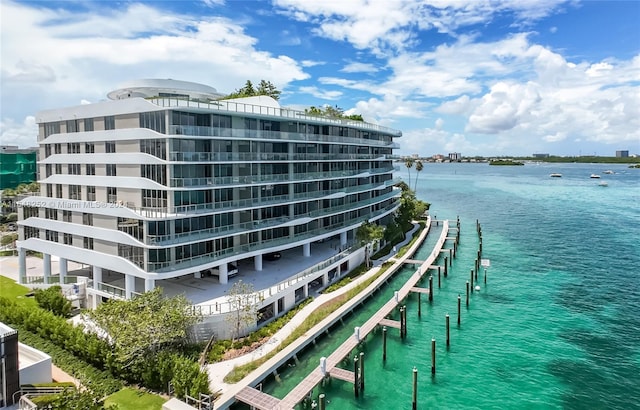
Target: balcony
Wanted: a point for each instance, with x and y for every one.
(210, 233)
(266, 244)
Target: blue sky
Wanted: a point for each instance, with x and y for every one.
(471, 76)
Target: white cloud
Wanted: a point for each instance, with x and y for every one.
(359, 68)
(85, 54)
(322, 94)
(23, 134)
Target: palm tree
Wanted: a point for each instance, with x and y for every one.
(409, 163)
(419, 168)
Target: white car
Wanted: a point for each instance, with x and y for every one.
(232, 270)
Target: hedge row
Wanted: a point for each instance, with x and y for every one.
(86, 346)
(101, 382)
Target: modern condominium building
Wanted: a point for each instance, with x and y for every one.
(164, 180)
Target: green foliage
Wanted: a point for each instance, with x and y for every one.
(134, 399)
(53, 300)
(507, 162)
(220, 347)
(74, 399)
(100, 381)
(144, 325)
(12, 217)
(188, 379)
(331, 112)
(264, 88)
(9, 238)
(369, 232)
(410, 209)
(86, 346)
(15, 292)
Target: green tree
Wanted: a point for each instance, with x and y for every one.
(53, 300)
(267, 88)
(188, 378)
(366, 234)
(140, 327)
(408, 162)
(419, 168)
(74, 399)
(243, 306)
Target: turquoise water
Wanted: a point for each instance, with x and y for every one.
(556, 326)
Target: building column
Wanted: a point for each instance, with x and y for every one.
(63, 270)
(224, 274)
(97, 276)
(129, 285)
(46, 265)
(257, 262)
(325, 279)
(343, 238)
(149, 284)
(306, 250)
(22, 265)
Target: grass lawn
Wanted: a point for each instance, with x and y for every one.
(11, 290)
(132, 399)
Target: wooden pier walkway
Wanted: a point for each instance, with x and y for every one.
(303, 389)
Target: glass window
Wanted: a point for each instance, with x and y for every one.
(110, 147)
(88, 124)
(110, 122)
(89, 147)
(91, 169)
(72, 125)
(111, 170)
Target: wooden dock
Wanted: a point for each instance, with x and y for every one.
(261, 400)
(302, 390)
(389, 323)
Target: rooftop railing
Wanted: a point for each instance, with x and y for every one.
(244, 108)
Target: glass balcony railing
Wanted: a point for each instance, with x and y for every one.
(255, 156)
(274, 178)
(262, 294)
(266, 244)
(210, 233)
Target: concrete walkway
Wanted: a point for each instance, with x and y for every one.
(59, 375)
(217, 371)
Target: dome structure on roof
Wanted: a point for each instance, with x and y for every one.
(156, 87)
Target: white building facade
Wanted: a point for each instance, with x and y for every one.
(165, 180)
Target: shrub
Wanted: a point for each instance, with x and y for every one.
(53, 300)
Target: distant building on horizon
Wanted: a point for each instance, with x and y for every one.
(455, 156)
(541, 155)
(622, 154)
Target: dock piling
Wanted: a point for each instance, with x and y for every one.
(467, 293)
(419, 305)
(384, 344)
(445, 267)
(431, 288)
(362, 371)
(485, 276)
(355, 377)
(471, 280)
(433, 356)
(438, 277)
(458, 309)
(414, 400)
(322, 405)
(446, 319)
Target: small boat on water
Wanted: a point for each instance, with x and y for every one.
(594, 176)
(555, 175)
(603, 183)
(608, 172)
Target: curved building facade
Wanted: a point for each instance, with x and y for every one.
(165, 181)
